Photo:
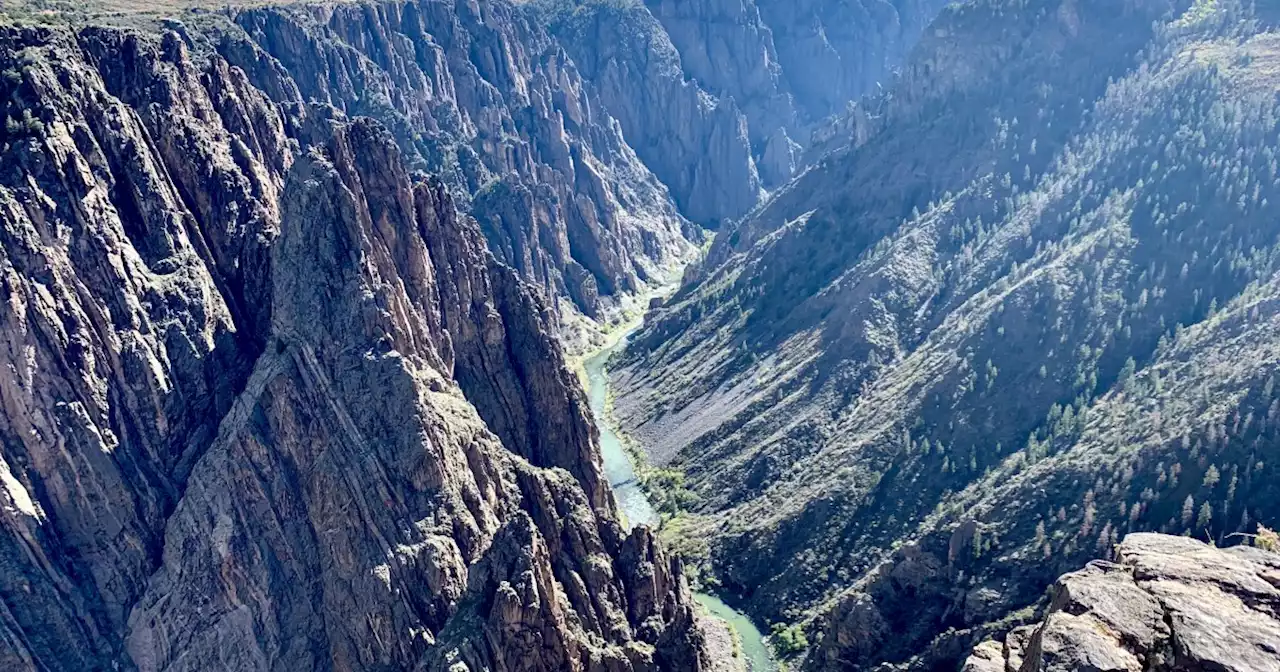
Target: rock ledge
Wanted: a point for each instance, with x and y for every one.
(1167, 603)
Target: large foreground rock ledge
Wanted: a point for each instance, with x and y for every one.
(1167, 603)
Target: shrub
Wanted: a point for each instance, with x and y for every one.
(788, 640)
(1267, 540)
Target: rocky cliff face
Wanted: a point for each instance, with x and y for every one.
(697, 144)
(1166, 603)
(482, 96)
(270, 402)
(274, 398)
(721, 99)
(790, 65)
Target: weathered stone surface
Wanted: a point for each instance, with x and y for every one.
(721, 98)
(986, 657)
(121, 351)
(728, 49)
(789, 65)
(1107, 592)
(1168, 603)
(1067, 642)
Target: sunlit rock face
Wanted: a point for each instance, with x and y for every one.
(480, 95)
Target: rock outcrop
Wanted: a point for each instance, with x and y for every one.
(790, 65)
(126, 340)
(269, 401)
(1164, 604)
(273, 398)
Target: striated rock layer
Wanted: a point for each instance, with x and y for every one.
(269, 402)
(949, 363)
(790, 64)
(696, 144)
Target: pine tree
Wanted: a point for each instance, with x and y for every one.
(1205, 516)
(1126, 373)
(1104, 538)
(1267, 540)
(1090, 513)
(1211, 477)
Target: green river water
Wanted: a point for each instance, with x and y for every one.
(637, 510)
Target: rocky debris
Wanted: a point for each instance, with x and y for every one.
(860, 630)
(723, 644)
(270, 402)
(988, 656)
(1166, 603)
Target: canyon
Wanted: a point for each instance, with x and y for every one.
(639, 335)
(271, 402)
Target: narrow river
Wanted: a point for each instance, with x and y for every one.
(637, 510)
(618, 468)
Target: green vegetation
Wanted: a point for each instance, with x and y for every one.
(788, 640)
(98, 11)
(21, 120)
(665, 487)
(1200, 11)
(667, 490)
(565, 10)
(1267, 539)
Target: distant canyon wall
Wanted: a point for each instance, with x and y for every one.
(723, 98)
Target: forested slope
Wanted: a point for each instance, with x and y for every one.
(1031, 312)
